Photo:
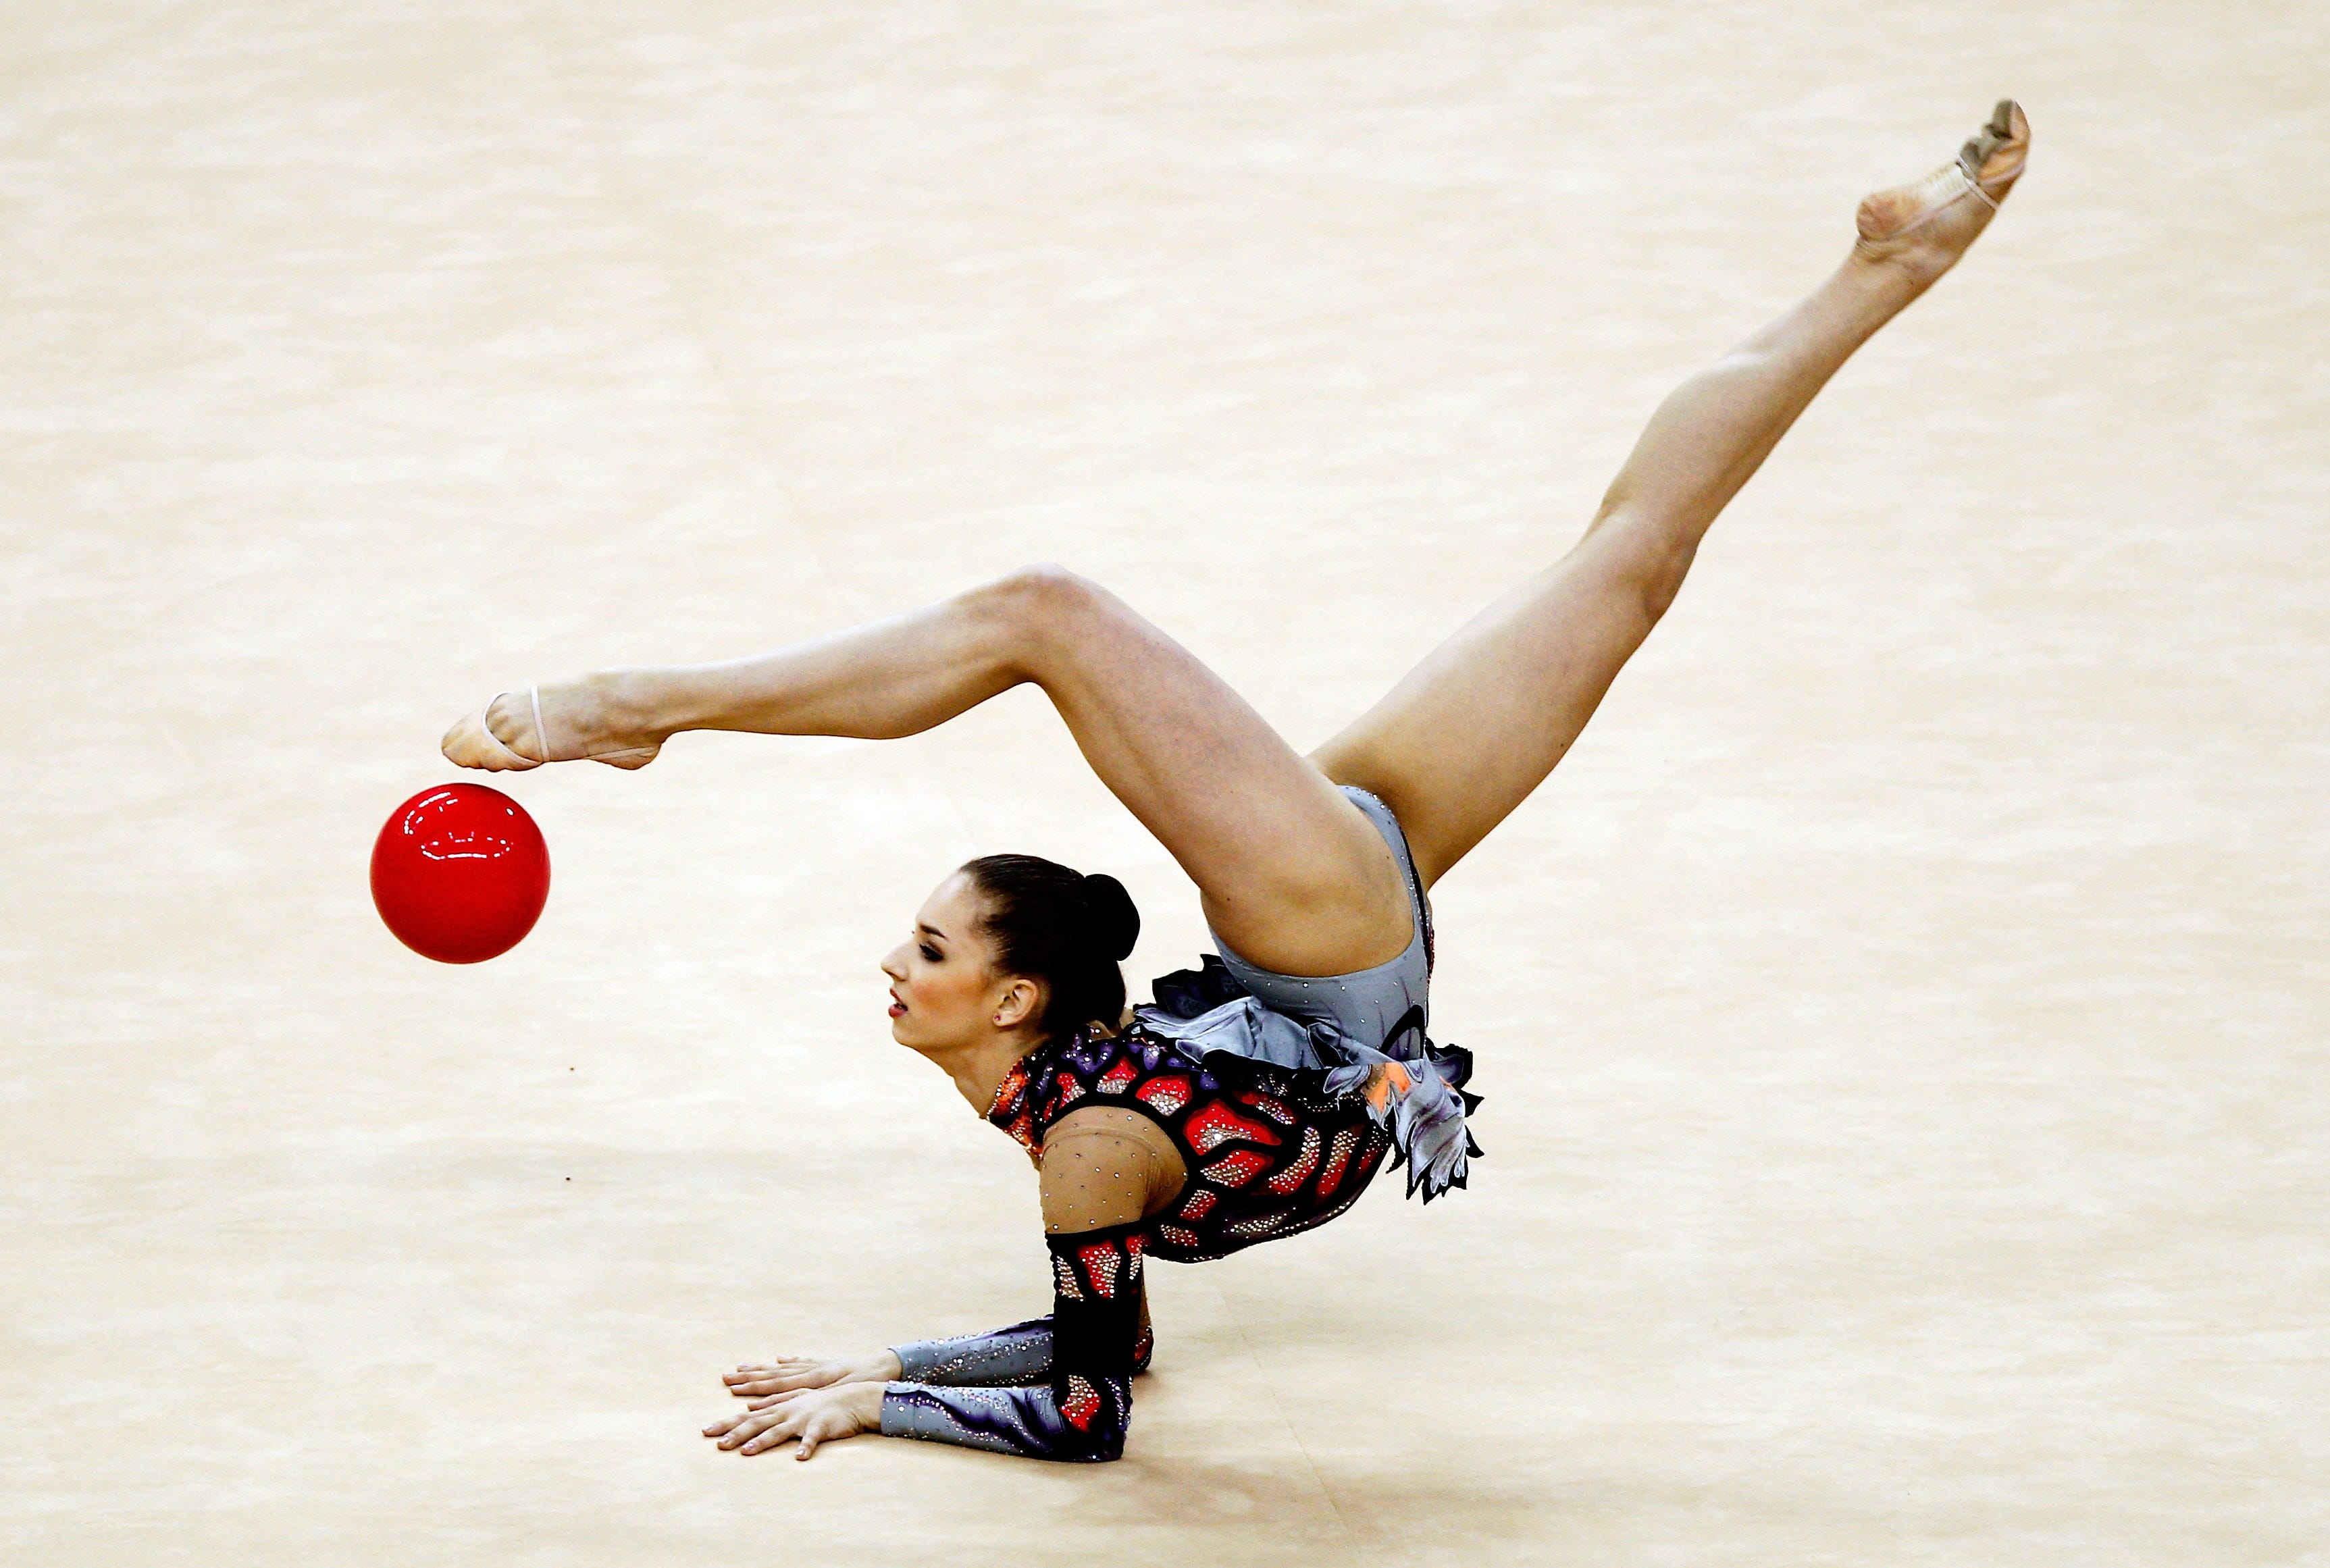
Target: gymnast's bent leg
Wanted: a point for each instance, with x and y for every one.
(1291, 873)
(1470, 731)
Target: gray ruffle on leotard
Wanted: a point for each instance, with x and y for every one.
(1347, 1026)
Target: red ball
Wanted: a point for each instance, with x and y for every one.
(460, 874)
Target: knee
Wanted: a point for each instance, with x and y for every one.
(1037, 597)
(1661, 580)
(1650, 562)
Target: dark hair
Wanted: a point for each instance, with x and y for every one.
(1068, 930)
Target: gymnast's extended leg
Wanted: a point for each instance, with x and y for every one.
(1290, 873)
(1468, 733)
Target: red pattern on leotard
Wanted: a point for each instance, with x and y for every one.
(1268, 1152)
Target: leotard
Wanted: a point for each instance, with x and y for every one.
(1282, 1111)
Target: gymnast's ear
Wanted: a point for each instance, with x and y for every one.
(1018, 1001)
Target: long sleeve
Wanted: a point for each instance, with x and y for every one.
(1021, 1354)
(1082, 1408)
(1002, 1357)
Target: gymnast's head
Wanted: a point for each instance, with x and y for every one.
(1011, 946)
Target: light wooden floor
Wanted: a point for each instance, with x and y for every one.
(1903, 1019)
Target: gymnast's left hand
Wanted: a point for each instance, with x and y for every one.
(808, 1416)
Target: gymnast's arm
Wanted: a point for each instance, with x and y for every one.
(1019, 1354)
(1058, 1388)
(1015, 1355)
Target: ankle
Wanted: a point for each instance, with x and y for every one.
(633, 704)
(1878, 283)
(1884, 268)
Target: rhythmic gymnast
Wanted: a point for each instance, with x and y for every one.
(1261, 1093)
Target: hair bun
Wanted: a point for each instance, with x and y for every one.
(1046, 921)
(1116, 924)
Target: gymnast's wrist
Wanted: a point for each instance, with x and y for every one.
(886, 1366)
(918, 1358)
(863, 1401)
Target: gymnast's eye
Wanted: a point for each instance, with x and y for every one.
(930, 953)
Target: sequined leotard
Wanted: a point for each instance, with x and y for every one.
(1281, 1123)
(1268, 1154)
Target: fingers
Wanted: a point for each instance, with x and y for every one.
(780, 1422)
(762, 1380)
(761, 1431)
(780, 1367)
(729, 1424)
(822, 1426)
(784, 1427)
(746, 1431)
(790, 1373)
(807, 1416)
(758, 1416)
(809, 1424)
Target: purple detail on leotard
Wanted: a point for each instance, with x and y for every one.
(1024, 1422)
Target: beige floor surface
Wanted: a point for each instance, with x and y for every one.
(1903, 1018)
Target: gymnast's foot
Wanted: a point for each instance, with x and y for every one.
(1925, 226)
(561, 722)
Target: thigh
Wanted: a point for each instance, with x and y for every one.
(1476, 726)
(1293, 875)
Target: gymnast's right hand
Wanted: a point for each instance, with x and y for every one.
(788, 1372)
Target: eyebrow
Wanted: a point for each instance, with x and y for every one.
(933, 930)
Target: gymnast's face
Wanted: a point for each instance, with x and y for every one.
(945, 994)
